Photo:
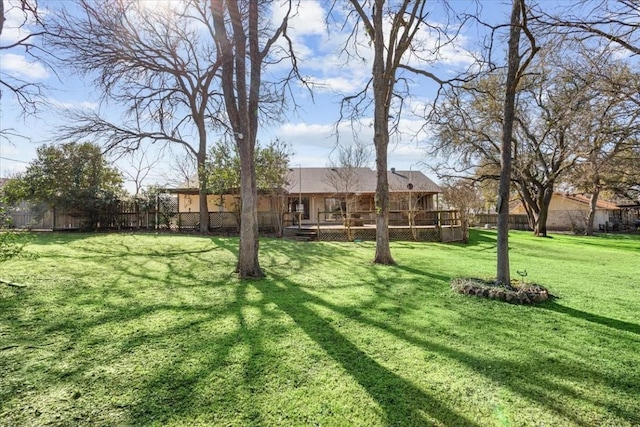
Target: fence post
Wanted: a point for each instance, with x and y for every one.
(157, 209)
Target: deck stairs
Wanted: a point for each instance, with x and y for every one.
(305, 235)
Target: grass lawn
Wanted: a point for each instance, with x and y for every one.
(144, 329)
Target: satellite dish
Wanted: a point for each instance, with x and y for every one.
(410, 186)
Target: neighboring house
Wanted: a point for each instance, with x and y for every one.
(630, 214)
(570, 211)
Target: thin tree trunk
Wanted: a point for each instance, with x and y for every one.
(202, 193)
(503, 273)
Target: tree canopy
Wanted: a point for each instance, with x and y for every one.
(74, 177)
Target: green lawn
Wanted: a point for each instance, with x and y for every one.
(143, 329)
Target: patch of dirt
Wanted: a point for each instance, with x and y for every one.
(514, 293)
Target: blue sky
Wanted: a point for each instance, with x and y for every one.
(310, 131)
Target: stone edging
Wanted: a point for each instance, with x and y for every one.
(515, 293)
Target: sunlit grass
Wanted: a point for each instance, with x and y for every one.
(137, 329)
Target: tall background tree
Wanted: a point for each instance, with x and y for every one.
(395, 31)
(158, 62)
(544, 146)
(608, 133)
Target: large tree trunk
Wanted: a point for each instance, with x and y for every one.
(383, 249)
(241, 102)
(248, 265)
(544, 201)
(540, 229)
(503, 273)
(382, 90)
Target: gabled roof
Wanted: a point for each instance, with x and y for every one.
(326, 181)
(363, 180)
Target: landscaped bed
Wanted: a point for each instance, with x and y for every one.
(514, 292)
(144, 329)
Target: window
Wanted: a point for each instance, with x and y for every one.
(294, 205)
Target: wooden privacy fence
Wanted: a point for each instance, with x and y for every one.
(163, 216)
(516, 222)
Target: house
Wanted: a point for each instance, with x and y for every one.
(320, 195)
(570, 211)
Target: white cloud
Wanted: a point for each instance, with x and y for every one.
(18, 23)
(305, 19)
(344, 85)
(313, 143)
(19, 67)
(69, 105)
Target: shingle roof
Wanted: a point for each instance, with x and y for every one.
(323, 180)
(586, 199)
(363, 180)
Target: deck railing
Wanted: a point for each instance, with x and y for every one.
(405, 218)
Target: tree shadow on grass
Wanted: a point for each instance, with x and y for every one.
(590, 317)
(405, 404)
(402, 402)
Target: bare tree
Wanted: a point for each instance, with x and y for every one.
(182, 168)
(246, 44)
(544, 147)
(345, 178)
(410, 193)
(609, 133)
(27, 93)
(393, 32)
(464, 196)
(615, 21)
(161, 66)
(141, 164)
